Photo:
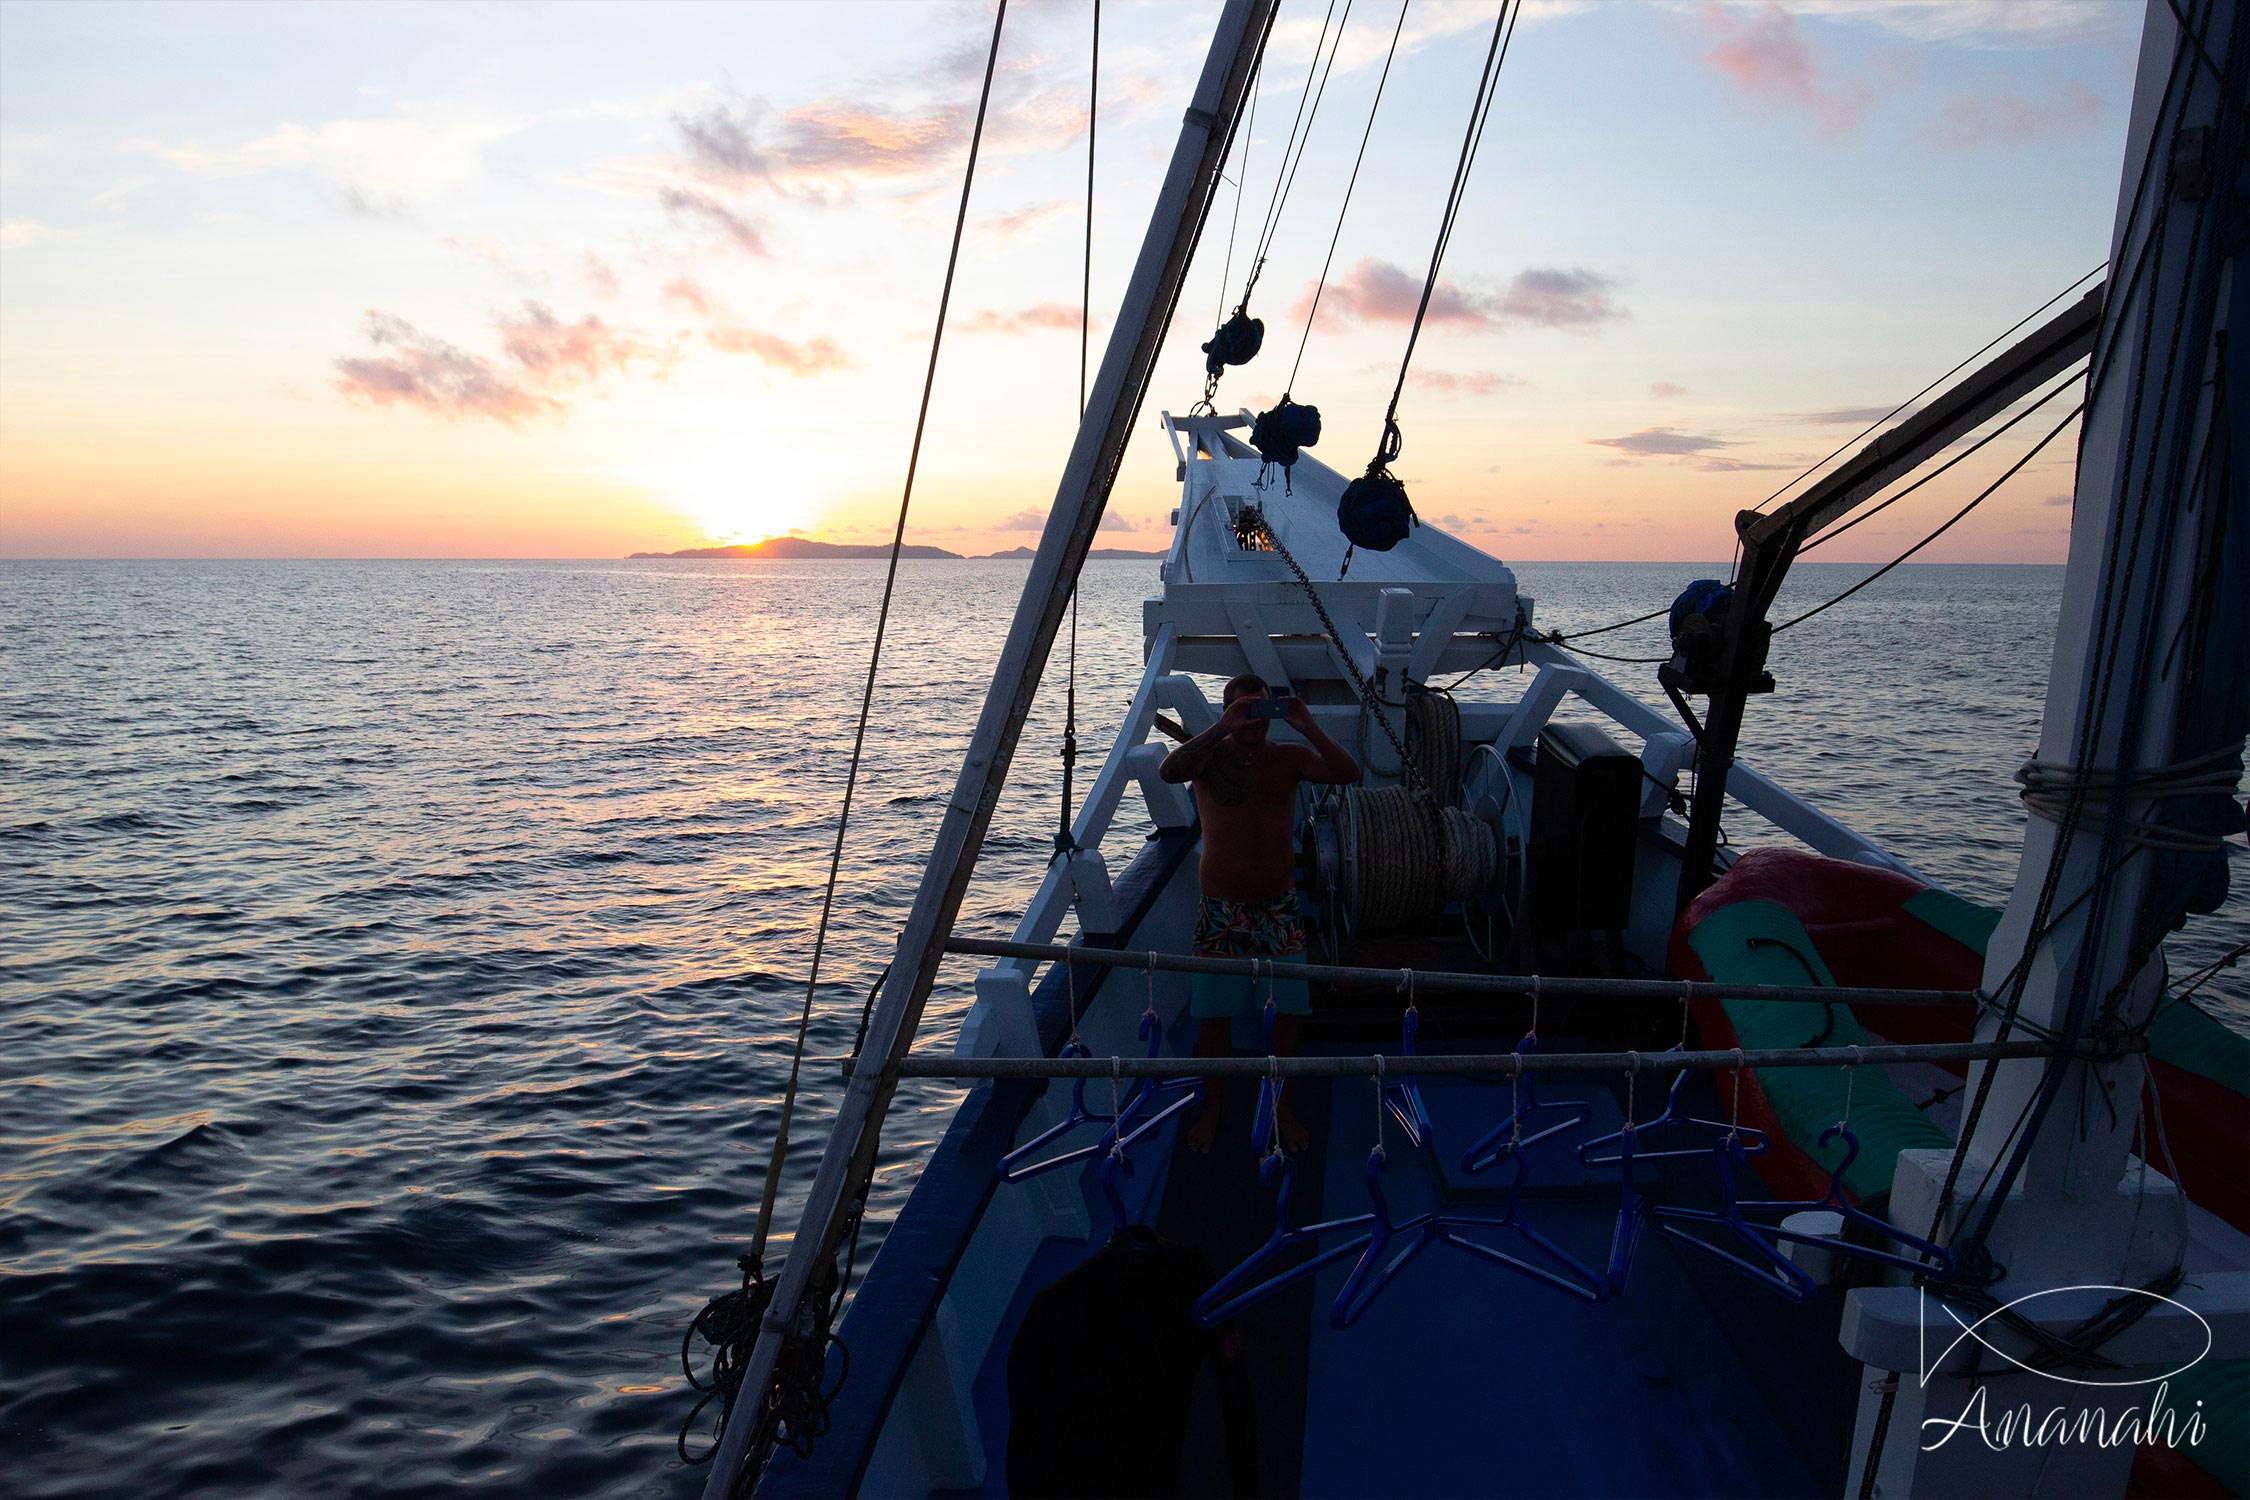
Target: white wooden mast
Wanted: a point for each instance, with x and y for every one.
(1127, 366)
(2065, 1207)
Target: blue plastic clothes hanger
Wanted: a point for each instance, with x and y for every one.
(1599, 1151)
(1403, 1096)
(1751, 1246)
(1245, 1286)
(1018, 1165)
(1379, 1263)
(1509, 1134)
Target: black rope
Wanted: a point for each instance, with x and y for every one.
(1241, 176)
(1350, 183)
(1981, 497)
(1065, 840)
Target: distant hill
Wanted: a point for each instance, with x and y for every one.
(1098, 554)
(802, 547)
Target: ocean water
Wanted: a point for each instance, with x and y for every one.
(399, 961)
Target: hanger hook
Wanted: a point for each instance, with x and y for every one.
(1535, 1006)
(1379, 1085)
(1116, 1114)
(1734, 1111)
(1851, 1082)
(1152, 981)
(1632, 1077)
(1406, 983)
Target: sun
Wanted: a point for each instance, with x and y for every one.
(734, 498)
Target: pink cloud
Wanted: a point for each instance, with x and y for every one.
(557, 353)
(1043, 317)
(435, 376)
(1665, 390)
(1773, 67)
(1375, 291)
(1466, 383)
(813, 357)
(1966, 121)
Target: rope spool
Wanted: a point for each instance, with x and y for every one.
(1413, 857)
(1433, 739)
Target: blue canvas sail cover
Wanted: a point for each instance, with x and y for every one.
(1375, 512)
(1236, 343)
(1279, 434)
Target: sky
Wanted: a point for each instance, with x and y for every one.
(547, 280)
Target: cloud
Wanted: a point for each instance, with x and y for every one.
(1697, 450)
(545, 355)
(1466, 383)
(1008, 226)
(1997, 24)
(22, 232)
(1560, 299)
(435, 376)
(737, 230)
(1117, 520)
(2065, 498)
(1375, 291)
(1022, 520)
(1664, 442)
(1774, 69)
(1848, 416)
(719, 143)
(601, 277)
(419, 150)
(1043, 317)
(728, 336)
(815, 357)
(556, 353)
(1665, 390)
(1966, 121)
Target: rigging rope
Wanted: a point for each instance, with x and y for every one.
(1349, 184)
(875, 656)
(1293, 150)
(1496, 57)
(1875, 510)
(1982, 495)
(1241, 176)
(1933, 385)
(1065, 840)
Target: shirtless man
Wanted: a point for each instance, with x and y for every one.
(1246, 792)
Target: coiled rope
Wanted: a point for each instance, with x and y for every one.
(2050, 791)
(1413, 859)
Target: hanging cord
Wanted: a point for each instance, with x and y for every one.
(780, 1153)
(1379, 1107)
(1983, 495)
(1065, 841)
(1495, 58)
(1349, 184)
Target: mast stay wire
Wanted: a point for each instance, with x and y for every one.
(1065, 841)
(1495, 58)
(1875, 510)
(1241, 176)
(1350, 183)
(1985, 494)
(780, 1152)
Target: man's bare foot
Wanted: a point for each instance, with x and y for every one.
(1204, 1132)
(1294, 1136)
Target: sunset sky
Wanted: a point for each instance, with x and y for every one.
(522, 280)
